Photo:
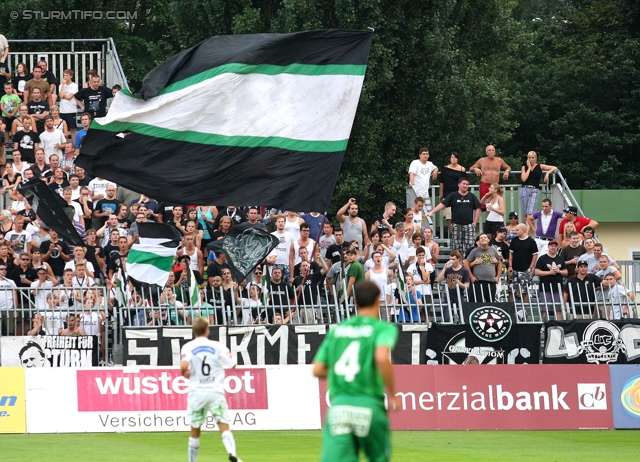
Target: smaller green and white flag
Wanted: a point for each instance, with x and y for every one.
(121, 287)
(194, 289)
(150, 260)
(402, 283)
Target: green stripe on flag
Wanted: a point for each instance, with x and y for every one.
(222, 140)
(161, 262)
(266, 69)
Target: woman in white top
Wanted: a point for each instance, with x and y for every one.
(58, 122)
(401, 242)
(410, 226)
(433, 248)
(292, 224)
(495, 210)
(68, 105)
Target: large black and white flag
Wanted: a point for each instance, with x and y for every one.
(237, 120)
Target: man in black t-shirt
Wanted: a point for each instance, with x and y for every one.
(218, 298)
(551, 268)
(55, 252)
(106, 207)
(26, 141)
(308, 287)
(465, 212)
(165, 211)
(38, 109)
(95, 254)
(523, 254)
(119, 258)
(237, 215)
(499, 241)
(216, 266)
(334, 251)
(93, 100)
(385, 221)
(281, 296)
(582, 286)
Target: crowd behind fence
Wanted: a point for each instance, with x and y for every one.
(47, 311)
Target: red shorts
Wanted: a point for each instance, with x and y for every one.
(484, 189)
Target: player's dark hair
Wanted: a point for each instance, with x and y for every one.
(367, 293)
(200, 326)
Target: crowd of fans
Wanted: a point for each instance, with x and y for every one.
(318, 258)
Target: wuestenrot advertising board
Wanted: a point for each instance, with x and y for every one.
(155, 399)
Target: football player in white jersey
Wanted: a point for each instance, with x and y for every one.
(203, 362)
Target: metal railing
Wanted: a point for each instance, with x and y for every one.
(45, 311)
(105, 60)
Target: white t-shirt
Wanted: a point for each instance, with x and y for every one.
(68, 106)
(40, 296)
(207, 361)
(18, 206)
(247, 304)
(48, 140)
(53, 321)
(19, 242)
(25, 165)
(412, 271)
(68, 297)
(90, 322)
(71, 264)
(6, 293)
(284, 247)
(421, 175)
(84, 282)
(99, 186)
(77, 208)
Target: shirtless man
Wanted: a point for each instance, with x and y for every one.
(488, 169)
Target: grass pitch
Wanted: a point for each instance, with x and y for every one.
(304, 446)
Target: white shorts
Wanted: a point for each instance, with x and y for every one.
(200, 403)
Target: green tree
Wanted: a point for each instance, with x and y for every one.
(576, 90)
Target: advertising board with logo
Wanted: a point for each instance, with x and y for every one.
(155, 399)
(500, 397)
(625, 395)
(257, 345)
(447, 344)
(592, 341)
(12, 400)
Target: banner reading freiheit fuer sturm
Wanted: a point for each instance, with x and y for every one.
(50, 351)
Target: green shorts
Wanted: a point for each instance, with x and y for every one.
(355, 423)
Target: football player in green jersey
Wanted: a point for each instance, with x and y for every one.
(356, 358)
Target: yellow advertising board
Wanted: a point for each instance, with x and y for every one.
(12, 403)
